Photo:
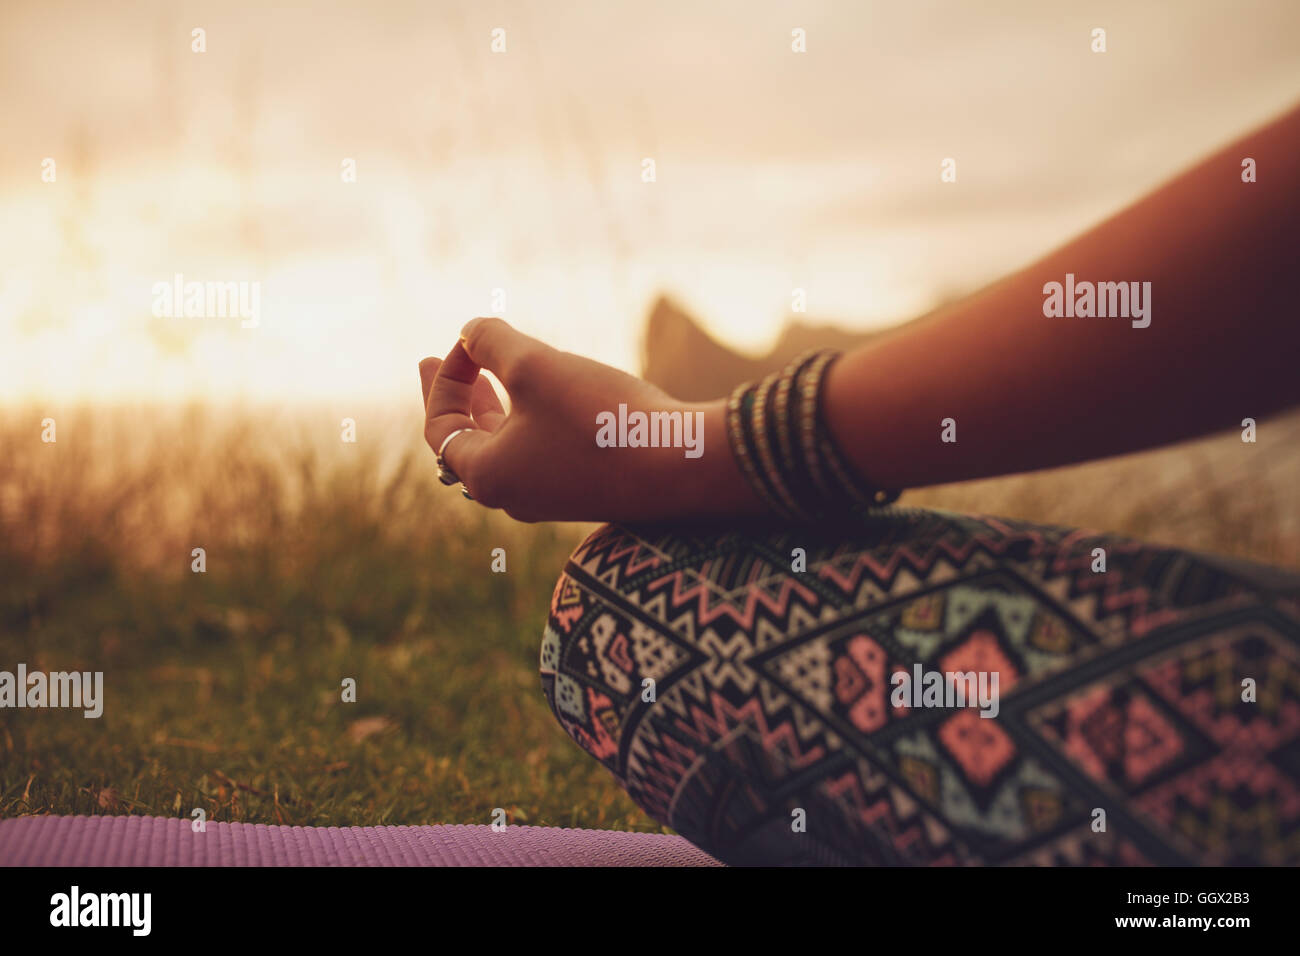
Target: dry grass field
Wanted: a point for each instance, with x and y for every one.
(328, 560)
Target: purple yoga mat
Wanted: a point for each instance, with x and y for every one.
(165, 841)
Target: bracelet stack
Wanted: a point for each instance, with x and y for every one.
(778, 433)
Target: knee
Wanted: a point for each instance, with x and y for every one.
(590, 715)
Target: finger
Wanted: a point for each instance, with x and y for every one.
(492, 344)
(464, 455)
(450, 407)
(486, 406)
(428, 369)
(452, 390)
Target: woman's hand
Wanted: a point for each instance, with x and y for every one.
(542, 462)
(1027, 391)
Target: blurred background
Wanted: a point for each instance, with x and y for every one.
(522, 170)
(519, 171)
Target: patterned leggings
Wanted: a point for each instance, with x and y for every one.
(742, 687)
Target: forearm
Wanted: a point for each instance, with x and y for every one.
(1023, 390)
(1026, 391)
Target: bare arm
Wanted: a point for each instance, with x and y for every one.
(1025, 390)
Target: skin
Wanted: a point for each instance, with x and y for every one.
(1026, 391)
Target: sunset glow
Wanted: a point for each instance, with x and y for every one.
(522, 172)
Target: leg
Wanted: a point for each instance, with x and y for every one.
(736, 698)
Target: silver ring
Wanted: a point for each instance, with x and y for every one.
(445, 474)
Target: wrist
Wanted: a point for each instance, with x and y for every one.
(699, 480)
(717, 485)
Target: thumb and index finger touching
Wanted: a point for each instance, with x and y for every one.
(456, 396)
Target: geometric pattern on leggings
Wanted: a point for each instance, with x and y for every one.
(1119, 690)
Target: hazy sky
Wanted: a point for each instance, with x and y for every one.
(522, 170)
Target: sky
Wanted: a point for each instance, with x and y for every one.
(522, 170)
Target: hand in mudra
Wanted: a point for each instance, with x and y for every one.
(541, 460)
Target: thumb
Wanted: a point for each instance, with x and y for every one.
(491, 343)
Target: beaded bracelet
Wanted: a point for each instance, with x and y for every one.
(778, 433)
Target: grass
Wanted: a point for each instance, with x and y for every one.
(328, 560)
(223, 689)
